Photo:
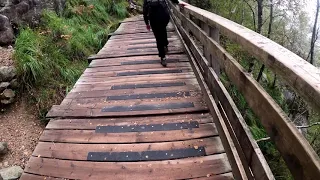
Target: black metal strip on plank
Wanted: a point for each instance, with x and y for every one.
(134, 73)
(153, 85)
(148, 62)
(148, 128)
(148, 107)
(149, 96)
(146, 155)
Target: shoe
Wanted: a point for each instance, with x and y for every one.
(166, 50)
(163, 62)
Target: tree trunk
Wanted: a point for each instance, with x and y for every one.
(269, 34)
(260, 14)
(253, 15)
(314, 33)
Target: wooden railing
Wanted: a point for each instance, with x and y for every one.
(243, 152)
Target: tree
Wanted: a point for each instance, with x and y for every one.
(314, 34)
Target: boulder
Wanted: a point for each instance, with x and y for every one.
(8, 94)
(6, 31)
(11, 173)
(3, 148)
(22, 8)
(3, 86)
(7, 73)
(7, 101)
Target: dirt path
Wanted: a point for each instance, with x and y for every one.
(21, 129)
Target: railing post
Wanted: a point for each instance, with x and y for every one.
(215, 35)
(207, 53)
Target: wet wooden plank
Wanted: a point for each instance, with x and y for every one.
(138, 60)
(226, 176)
(26, 176)
(179, 89)
(134, 27)
(67, 151)
(134, 65)
(91, 124)
(90, 136)
(172, 169)
(142, 83)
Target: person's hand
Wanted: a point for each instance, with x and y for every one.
(148, 27)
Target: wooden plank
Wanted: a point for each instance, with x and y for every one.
(91, 124)
(247, 144)
(133, 28)
(131, 66)
(140, 52)
(173, 169)
(90, 136)
(226, 176)
(133, 19)
(139, 36)
(139, 80)
(298, 154)
(130, 85)
(140, 91)
(62, 111)
(233, 156)
(135, 60)
(80, 151)
(136, 74)
(26, 176)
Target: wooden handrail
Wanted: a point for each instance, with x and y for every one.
(301, 159)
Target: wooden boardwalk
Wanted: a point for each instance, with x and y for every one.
(127, 117)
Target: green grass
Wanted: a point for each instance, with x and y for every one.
(51, 57)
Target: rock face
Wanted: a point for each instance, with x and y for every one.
(11, 173)
(3, 148)
(28, 11)
(14, 13)
(6, 31)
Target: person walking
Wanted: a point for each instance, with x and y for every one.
(156, 12)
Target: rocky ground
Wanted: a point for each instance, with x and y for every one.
(20, 128)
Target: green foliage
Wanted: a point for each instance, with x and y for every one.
(203, 4)
(52, 57)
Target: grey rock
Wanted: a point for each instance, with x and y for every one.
(14, 84)
(7, 101)
(11, 173)
(22, 8)
(8, 94)
(7, 73)
(6, 31)
(3, 86)
(28, 12)
(3, 148)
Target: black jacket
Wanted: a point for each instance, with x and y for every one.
(156, 10)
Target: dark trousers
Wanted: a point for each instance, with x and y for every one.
(160, 32)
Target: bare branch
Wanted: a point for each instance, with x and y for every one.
(263, 139)
(308, 126)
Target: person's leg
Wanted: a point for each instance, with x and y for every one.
(158, 33)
